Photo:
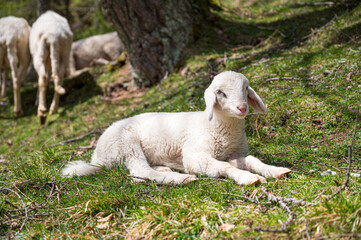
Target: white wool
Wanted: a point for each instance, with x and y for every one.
(211, 142)
(80, 168)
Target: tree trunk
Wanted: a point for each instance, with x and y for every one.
(154, 33)
(43, 6)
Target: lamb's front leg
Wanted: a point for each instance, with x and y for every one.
(203, 163)
(253, 164)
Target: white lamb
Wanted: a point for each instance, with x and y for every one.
(212, 142)
(98, 49)
(14, 55)
(50, 44)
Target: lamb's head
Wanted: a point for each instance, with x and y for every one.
(230, 95)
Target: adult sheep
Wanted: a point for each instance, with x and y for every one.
(50, 45)
(14, 55)
(212, 142)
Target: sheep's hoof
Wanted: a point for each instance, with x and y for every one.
(60, 90)
(42, 118)
(51, 112)
(285, 172)
(19, 113)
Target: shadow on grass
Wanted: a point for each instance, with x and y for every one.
(78, 90)
(224, 35)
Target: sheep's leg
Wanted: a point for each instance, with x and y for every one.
(99, 61)
(13, 61)
(3, 80)
(39, 62)
(138, 166)
(204, 164)
(253, 164)
(55, 103)
(43, 84)
(58, 69)
(162, 169)
(116, 144)
(58, 81)
(3, 74)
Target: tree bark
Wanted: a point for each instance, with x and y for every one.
(154, 33)
(43, 6)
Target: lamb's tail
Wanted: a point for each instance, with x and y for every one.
(80, 168)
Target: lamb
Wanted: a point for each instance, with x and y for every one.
(211, 142)
(50, 45)
(14, 55)
(99, 49)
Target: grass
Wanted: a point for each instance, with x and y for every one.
(302, 59)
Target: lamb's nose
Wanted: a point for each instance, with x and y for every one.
(242, 109)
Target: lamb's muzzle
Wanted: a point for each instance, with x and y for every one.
(211, 142)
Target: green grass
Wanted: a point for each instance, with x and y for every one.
(303, 60)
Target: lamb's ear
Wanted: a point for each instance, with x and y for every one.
(255, 101)
(210, 98)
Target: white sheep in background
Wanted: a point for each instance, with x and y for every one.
(14, 55)
(50, 45)
(212, 142)
(98, 49)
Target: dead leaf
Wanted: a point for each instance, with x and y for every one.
(3, 161)
(226, 227)
(104, 223)
(93, 142)
(106, 219)
(204, 234)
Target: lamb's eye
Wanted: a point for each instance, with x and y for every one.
(221, 93)
(247, 88)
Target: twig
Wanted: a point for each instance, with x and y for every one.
(261, 76)
(306, 231)
(285, 78)
(339, 236)
(320, 29)
(278, 200)
(96, 131)
(316, 4)
(25, 209)
(248, 199)
(225, 59)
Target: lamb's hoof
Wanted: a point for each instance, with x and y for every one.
(262, 179)
(257, 181)
(254, 182)
(283, 173)
(19, 113)
(42, 118)
(190, 179)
